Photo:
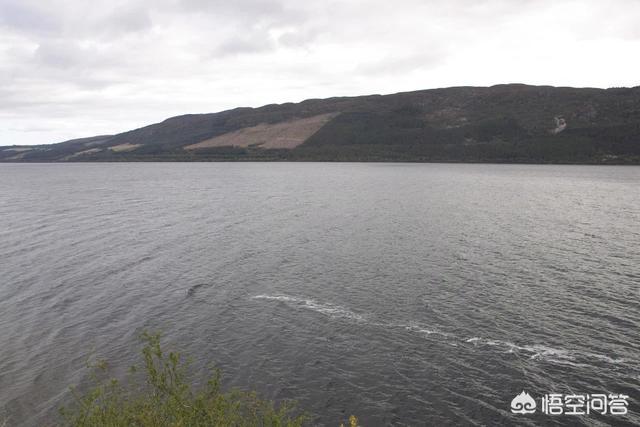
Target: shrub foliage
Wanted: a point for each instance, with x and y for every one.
(162, 396)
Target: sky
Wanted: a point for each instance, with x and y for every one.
(78, 68)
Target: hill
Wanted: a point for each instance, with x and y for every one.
(506, 123)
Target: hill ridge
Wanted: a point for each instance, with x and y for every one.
(502, 123)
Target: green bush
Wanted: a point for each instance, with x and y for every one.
(165, 398)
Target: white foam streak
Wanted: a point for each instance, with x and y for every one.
(533, 352)
(424, 330)
(331, 310)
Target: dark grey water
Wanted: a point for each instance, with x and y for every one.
(404, 293)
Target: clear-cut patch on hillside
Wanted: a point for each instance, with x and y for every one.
(124, 147)
(19, 152)
(83, 153)
(287, 134)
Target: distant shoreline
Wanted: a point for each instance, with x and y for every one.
(513, 123)
(633, 162)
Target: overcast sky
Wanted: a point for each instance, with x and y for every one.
(75, 68)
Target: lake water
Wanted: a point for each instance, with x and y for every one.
(407, 294)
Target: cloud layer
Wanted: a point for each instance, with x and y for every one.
(74, 68)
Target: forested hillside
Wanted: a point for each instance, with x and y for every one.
(504, 123)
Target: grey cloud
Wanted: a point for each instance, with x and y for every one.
(398, 65)
(68, 63)
(127, 20)
(249, 9)
(21, 16)
(299, 37)
(60, 54)
(33, 129)
(243, 45)
(256, 26)
(66, 19)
